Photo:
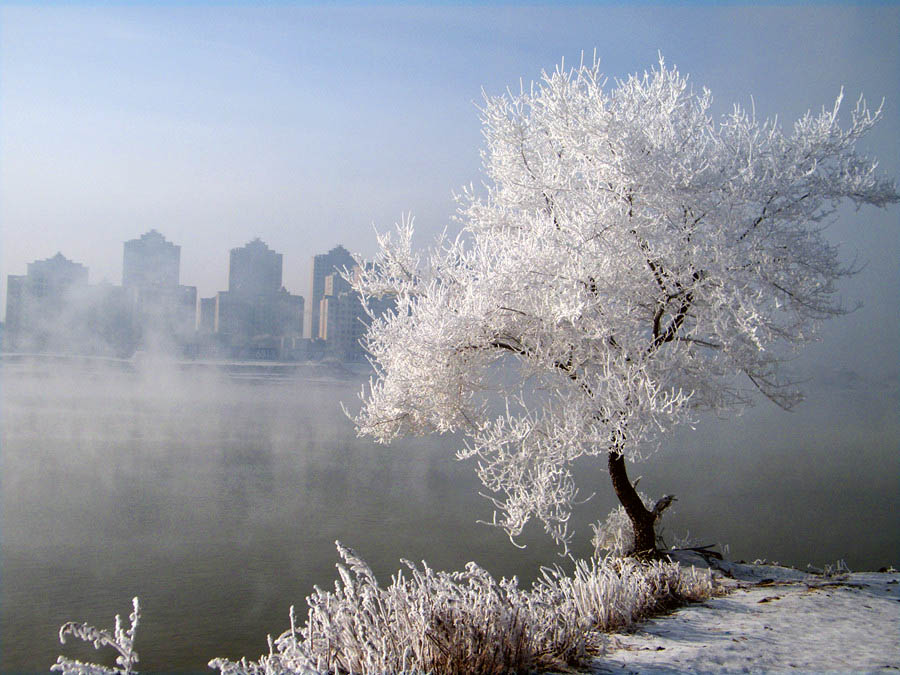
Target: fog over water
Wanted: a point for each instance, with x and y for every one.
(217, 498)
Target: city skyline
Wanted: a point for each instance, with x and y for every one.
(306, 125)
(121, 281)
(54, 308)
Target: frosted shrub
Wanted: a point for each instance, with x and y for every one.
(121, 640)
(838, 572)
(616, 534)
(467, 622)
(424, 621)
(440, 622)
(611, 593)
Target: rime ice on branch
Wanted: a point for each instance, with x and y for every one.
(121, 640)
(633, 263)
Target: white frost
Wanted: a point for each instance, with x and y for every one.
(633, 262)
(773, 620)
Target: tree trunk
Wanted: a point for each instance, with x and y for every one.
(642, 519)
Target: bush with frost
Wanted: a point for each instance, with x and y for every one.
(615, 535)
(459, 622)
(120, 639)
(467, 622)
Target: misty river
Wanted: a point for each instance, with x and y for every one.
(216, 498)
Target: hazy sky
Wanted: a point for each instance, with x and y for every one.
(305, 125)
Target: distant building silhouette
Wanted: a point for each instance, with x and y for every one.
(36, 303)
(254, 270)
(251, 317)
(50, 276)
(163, 312)
(206, 319)
(324, 265)
(340, 314)
(53, 309)
(343, 320)
(151, 261)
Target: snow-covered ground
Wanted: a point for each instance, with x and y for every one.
(772, 619)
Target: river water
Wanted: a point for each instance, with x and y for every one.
(217, 499)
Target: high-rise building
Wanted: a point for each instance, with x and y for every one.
(254, 270)
(324, 265)
(150, 261)
(206, 318)
(163, 312)
(37, 303)
(255, 306)
(240, 318)
(56, 273)
(52, 308)
(343, 320)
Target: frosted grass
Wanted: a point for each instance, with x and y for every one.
(448, 622)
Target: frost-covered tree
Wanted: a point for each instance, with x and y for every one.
(633, 263)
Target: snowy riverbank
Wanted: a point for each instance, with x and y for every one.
(759, 618)
(772, 619)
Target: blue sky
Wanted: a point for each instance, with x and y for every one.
(306, 124)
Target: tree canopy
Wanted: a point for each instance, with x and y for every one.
(633, 262)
